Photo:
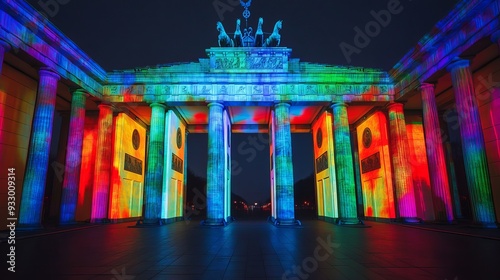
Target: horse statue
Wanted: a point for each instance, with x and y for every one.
(259, 34)
(224, 40)
(238, 37)
(275, 38)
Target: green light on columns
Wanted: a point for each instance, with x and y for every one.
(285, 210)
(69, 196)
(474, 152)
(343, 166)
(154, 171)
(215, 167)
(38, 156)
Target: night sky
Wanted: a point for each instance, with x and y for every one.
(122, 34)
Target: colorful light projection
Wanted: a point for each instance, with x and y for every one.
(405, 195)
(73, 161)
(435, 154)
(127, 176)
(172, 203)
(154, 172)
(285, 210)
(227, 167)
(215, 167)
(473, 147)
(345, 171)
(375, 163)
(87, 170)
(17, 104)
(420, 169)
(326, 183)
(272, 163)
(38, 155)
(102, 173)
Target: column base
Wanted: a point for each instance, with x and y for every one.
(349, 222)
(484, 225)
(28, 227)
(409, 220)
(214, 222)
(284, 222)
(146, 223)
(100, 221)
(67, 223)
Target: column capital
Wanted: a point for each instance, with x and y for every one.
(45, 71)
(157, 104)
(280, 104)
(79, 91)
(339, 104)
(395, 105)
(458, 63)
(215, 103)
(426, 86)
(106, 105)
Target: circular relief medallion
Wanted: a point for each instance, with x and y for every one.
(319, 138)
(136, 139)
(367, 138)
(179, 138)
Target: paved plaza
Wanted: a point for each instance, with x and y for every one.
(254, 249)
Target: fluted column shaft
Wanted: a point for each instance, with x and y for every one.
(443, 207)
(285, 207)
(473, 146)
(154, 172)
(100, 193)
(69, 196)
(38, 156)
(399, 150)
(344, 165)
(215, 167)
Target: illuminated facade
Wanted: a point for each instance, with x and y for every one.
(420, 142)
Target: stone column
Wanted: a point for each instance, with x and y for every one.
(154, 172)
(399, 150)
(473, 146)
(4, 47)
(102, 174)
(215, 167)
(344, 166)
(73, 161)
(441, 197)
(38, 156)
(285, 206)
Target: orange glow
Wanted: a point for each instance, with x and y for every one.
(377, 186)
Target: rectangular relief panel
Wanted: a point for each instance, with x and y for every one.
(326, 185)
(128, 168)
(375, 163)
